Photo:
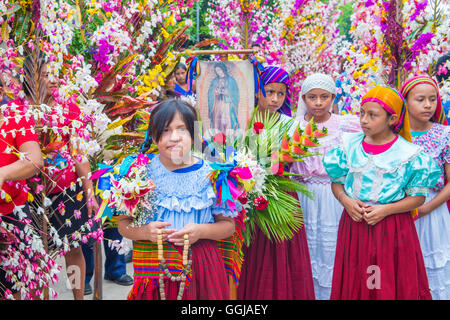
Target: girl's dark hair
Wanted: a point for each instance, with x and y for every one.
(181, 66)
(163, 115)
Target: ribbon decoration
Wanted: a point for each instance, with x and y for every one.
(210, 146)
(258, 68)
(225, 179)
(192, 72)
(108, 176)
(103, 176)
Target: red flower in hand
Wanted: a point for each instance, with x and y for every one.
(219, 138)
(260, 203)
(277, 168)
(258, 127)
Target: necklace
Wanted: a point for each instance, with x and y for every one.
(165, 270)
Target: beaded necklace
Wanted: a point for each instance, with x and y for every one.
(165, 270)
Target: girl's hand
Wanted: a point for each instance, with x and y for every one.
(354, 208)
(151, 232)
(193, 230)
(374, 214)
(92, 205)
(91, 202)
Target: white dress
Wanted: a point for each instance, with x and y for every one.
(434, 228)
(322, 214)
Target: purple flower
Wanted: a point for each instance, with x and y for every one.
(297, 5)
(419, 8)
(422, 41)
(369, 3)
(101, 56)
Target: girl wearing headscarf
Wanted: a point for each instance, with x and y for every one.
(430, 131)
(276, 271)
(322, 213)
(380, 177)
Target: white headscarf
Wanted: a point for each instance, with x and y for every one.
(314, 81)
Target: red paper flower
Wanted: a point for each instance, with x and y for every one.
(277, 168)
(219, 138)
(243, 198)
(258, 127)
(260, 203)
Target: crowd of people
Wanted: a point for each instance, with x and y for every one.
(378, 226)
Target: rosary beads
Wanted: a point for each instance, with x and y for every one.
(165, 270)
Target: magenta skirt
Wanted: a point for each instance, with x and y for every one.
(209, 280)
(381, 262)
(276, 271)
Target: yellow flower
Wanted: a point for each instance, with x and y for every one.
(170, 55)
(92, 11)
(164, 33)
(147, 81)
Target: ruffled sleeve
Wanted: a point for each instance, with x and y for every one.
(423, 175)
(335, 163)
(225, 210)
(182, 198)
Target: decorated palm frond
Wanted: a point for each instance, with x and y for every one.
(252, 172)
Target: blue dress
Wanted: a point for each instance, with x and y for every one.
(390, 249)
(184, 196)
(181, 91)
(382, 178)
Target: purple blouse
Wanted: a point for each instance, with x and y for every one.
(436, 143)
(313, 167)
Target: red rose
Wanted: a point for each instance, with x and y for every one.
(243, 198)
(258, 127)
(277, 168)
(261, 203)
(219, 138)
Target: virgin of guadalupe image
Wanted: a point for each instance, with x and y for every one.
(223, 100)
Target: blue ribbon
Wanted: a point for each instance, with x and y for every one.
(210, 146)
(258, 68)
(128, 161)
(58, 159)
(147, 137)
(104, 183)
(126, 164)
(223, 179)
(192, 72)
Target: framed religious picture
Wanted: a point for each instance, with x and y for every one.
(225, 92)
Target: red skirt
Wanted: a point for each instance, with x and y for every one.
(380, 262)
(276, 271)
(209, 280)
